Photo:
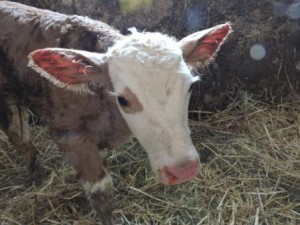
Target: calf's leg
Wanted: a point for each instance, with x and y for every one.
(15, 123)
(100, 195)
(97, 183)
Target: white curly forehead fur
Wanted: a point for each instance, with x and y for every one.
(150, 60)
(152, 49)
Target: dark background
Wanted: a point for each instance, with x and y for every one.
(272, 25)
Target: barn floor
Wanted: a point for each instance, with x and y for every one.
(250, 174)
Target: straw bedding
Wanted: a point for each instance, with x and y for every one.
(250, 174)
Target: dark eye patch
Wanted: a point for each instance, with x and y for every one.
(123, 101)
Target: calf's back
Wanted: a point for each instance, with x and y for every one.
(24, 29)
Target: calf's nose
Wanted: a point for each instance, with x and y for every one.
(171, 175)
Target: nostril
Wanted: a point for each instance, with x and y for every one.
(171, 177)
(180, 173)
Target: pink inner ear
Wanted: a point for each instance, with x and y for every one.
(211, 42)
(64, 68)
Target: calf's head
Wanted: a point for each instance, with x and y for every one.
(151, 79)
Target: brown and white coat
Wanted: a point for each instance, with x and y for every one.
(110, 87)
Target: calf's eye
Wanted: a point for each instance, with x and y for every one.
(122, 101)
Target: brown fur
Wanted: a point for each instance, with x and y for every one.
(80, 124)
(134, 104)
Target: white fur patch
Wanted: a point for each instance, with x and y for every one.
(101, 186)
(152, 66)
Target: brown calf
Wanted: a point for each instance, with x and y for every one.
(139, 84)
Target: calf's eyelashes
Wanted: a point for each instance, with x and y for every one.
(129, 102)
(123, 101)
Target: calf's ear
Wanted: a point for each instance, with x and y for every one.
(200, 48)
(70, 69)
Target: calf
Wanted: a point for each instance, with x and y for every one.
(96, 96)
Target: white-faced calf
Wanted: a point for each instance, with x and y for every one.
(95, 97)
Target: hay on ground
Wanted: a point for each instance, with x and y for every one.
(250, 174)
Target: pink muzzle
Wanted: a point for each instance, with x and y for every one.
(171, 175)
